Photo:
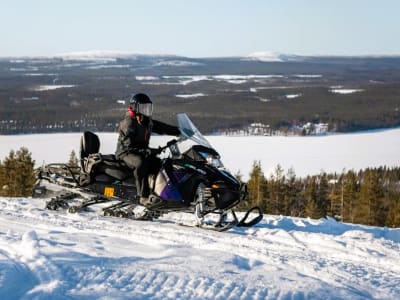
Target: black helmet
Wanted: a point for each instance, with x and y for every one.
(142, 104)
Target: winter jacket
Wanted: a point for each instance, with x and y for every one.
(134, 137)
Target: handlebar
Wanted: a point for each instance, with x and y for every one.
(171, 143)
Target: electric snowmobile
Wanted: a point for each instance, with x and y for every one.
(190, 180)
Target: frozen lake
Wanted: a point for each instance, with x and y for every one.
(307, 155)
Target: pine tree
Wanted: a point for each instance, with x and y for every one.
(393, 218)
(293, 206)
(239, 176)
(276, 189)
(369, 197)
(335, 197)
(9, 171)
(25, 172)
(2, 178)
(310, 195)
(257, 186)
(322, 195)
(73, 160)
(18, 175)
(349, 197)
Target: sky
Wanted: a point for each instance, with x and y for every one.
(206, 28)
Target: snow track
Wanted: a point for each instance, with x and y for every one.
(46, 254)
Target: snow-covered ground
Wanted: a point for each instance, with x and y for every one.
(57, 255)
(307, 155)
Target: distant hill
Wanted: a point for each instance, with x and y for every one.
(88, 91)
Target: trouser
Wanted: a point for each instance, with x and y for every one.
(142, 167)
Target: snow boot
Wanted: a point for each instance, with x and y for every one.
(151, 202)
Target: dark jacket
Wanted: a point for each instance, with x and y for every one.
(134, 137)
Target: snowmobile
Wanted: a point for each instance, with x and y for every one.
(191, 179)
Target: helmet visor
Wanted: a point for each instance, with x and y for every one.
(145, 109)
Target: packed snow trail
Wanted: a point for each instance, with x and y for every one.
(57, 255)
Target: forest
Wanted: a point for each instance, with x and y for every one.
(370, 196)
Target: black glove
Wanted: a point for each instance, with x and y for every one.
(170, 143)
(152, 152)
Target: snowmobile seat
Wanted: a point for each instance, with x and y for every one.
(112, 167)
(97, 164)
(99, 167)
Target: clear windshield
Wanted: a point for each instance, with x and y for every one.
(190, 131)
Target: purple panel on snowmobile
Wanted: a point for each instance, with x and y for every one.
(171, 193)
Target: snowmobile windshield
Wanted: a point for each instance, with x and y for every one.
(205, 152)
(190, 131)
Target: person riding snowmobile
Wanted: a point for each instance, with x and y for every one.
(133, 143)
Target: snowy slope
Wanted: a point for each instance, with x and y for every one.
(57, 255)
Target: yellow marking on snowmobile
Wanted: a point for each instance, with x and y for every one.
(109, 191)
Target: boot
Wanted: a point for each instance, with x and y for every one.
(151, 202)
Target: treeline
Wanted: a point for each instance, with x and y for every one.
(370, 196)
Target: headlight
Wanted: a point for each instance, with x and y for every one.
(215, 162)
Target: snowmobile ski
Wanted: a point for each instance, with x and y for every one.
(61, 200)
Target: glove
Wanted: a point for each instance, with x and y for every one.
(152, 152)
(170, 143)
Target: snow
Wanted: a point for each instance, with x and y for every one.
(187, 79)
(196, 95)
(307, 155)
(264, 56)
(49, 87)
(292, 96)
(40, 74)
(58, 255)
(107, 67)
(95, 55)
(140, 78)
(177, 63)
(246, 77)
(307, 75)
(345, 91)
(234, 79)
(263, 99)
